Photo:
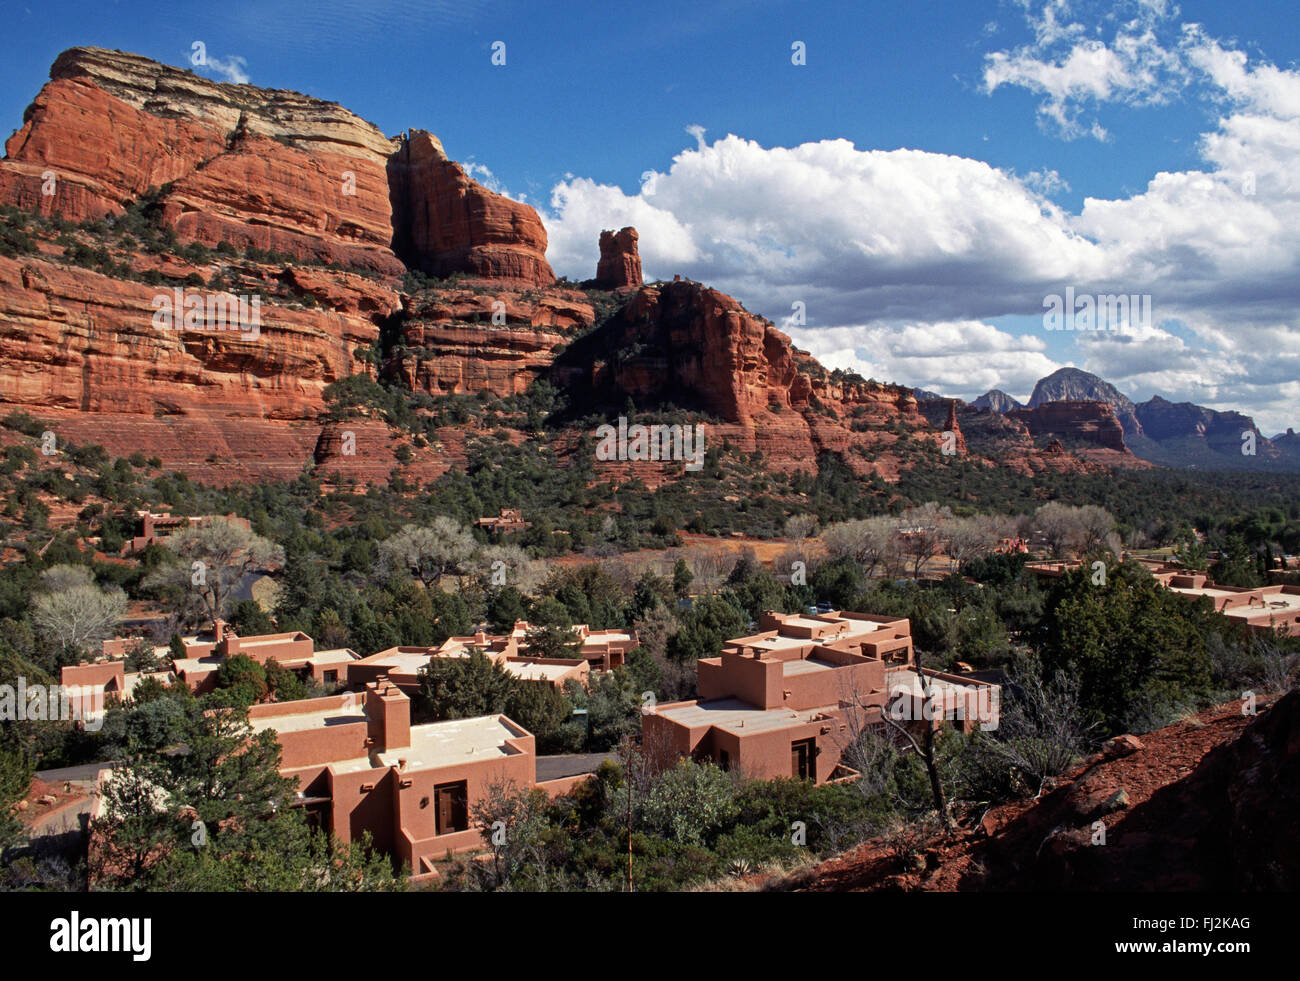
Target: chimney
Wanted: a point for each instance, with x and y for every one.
(227, 639)
(388, 715)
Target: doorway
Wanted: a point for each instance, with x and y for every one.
(803, 759)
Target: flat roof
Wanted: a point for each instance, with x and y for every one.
(1274, 603)
(336, 656)
(405, 662)
(455, 741)
(806, 665)
(806, 622)
(737, 717)
(300, 721)
(909, 682)
(530, 671)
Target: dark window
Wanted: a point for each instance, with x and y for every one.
(452, 810)
(331, 677)
(724, 759)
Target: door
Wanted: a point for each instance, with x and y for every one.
(803, 759)
(452, 807)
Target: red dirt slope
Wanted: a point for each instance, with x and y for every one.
(1210, 803)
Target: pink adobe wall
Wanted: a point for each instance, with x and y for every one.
(99, 673)
(850, 682)
(417, 824)
(753, 680)
(764, 755)
(321, 744)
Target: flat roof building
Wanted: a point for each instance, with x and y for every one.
(361, 767)
(204, 655)
(789, 701)
(1261, 609)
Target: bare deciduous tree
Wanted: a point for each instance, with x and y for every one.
(923, 532)
(79, 617)
(215, 556)
(1042, 732)
(870, 542)
(428, 553)
(971, 538)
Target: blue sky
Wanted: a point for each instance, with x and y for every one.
(933, 172)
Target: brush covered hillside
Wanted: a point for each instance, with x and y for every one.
(397, 298)
(1195, 806)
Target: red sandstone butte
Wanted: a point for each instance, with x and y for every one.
(620, 263)
(222, 163)
(445, 223)
(954, 427)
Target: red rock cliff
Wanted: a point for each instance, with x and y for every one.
(1091, 422)
(445, 223)
(233, 163)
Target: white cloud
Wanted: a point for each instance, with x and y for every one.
(1074, 72)
(955, 358)
(900, 256)
(231, 69)
(848, 232)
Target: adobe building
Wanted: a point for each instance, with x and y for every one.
(509, 520)
(601, 650)
(294, 651)
(362, 767)
(154, 529)
(1262, 609)
(788, 702)
(403, 665)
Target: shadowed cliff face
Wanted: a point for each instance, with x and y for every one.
(1093, 422)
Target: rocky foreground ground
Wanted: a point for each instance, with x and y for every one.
(1211, 802)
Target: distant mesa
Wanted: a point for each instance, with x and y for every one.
(1075, 385)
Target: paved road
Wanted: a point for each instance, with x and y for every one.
(569, 765)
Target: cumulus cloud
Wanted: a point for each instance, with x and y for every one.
(901, 257)
(961, 358)
(1074, 72)
(843, 230)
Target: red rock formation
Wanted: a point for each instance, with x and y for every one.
(232, 163)
(366, 451)
(445, 223)
(954, 427)
(274, 169)
(700, 349)
(81, 348)
(620, 263)
(1091, 422)
(464, 341)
